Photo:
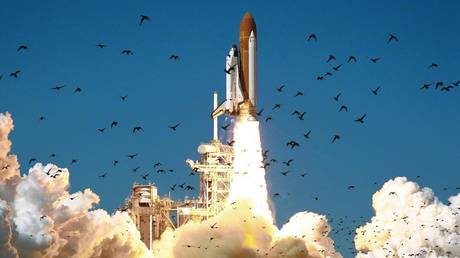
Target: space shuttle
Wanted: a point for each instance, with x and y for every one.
(241, 74)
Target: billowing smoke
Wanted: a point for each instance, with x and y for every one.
(40, 218)
(245, 228)
(410, 221)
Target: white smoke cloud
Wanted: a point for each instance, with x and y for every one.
(410, 221)
(40, 218)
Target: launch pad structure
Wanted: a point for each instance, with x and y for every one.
(153, 214)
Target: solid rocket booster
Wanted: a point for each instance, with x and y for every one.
(241, 73)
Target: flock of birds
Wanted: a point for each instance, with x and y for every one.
(345, 224)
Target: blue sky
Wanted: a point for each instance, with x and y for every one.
(407, 131)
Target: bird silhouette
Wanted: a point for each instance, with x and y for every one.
(276, 106)
(143, 18)
(173, 57)
(336, 68)
(174, 127)
(138, 129)
(375, 91)
(268, 118)
(335, 138)
(15, 73)
(225, 127)
(103, 175)
(58, 88)
(280, 89)
(307, 135)
(114, 124)
(22, 47)
(77, 90)
(230, 70)
(330, 58)
(351, 59)
(312, 36)
(375, 60)
(260, 112)
(343, 108)
(123, 98)
(131, 156)
(299, 93)
(100, 45)
(127, 52)
(101, 130)
(433, 65)
(336, 97)
(360, 119)
(392, 37)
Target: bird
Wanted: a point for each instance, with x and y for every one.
(375, 59)
(343, 107)
(137, 129)
(392, 37)
(101, 130)
(123, 98)
(336, 68)
(303, 174)
(42, 217)
(127, 52)
(433, 65)
(77, 90)
(301, 115)
(32, 160)
(174, 127)
(157, 164)
(335, 138)
(285, 173)
(57, 88)
(131, 156)
(113, 124)
(103, 175)
(268, 119)
(330, 58)
(320, 78)
(23, 47)
(115, 162)
(280, 88)
(299, 93)
(312, 36)
(136, 169)
(100, 45)
(213, 226)
(230, 69)
(288, 163)
(456, 84)
(351, 187)
(15, 74)
(52, 155)
(292, 144)
(73, 161)
(336, 97)
(173, 57)
(307, 135)
(260, 112)
(360, 119)
(225, 127)
(352, 59)
(276, 106)
(426, 86)
(375, 91)
(143, 18)
(42, 118)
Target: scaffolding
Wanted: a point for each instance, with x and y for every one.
(153, 214)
